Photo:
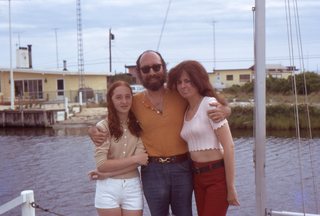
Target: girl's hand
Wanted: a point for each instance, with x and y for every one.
(96, 175)
(141, 159)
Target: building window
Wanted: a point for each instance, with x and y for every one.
(244, 77)
(276, 75)
(29, 89)
(229, 77)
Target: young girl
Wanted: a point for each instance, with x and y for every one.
(210, 144)
(118, 188)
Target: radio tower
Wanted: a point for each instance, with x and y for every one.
(80, 46)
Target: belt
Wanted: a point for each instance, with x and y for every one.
(171, 159)
(198, 170)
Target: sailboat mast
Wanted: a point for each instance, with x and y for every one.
(260, 107)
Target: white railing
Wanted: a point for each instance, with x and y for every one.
(25, 199)
(285, 213)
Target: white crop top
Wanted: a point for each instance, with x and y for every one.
(198, 132)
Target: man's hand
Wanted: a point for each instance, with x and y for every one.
(219, 113)
(97, 136)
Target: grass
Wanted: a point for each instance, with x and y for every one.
(278, 117)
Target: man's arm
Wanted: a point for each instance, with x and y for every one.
(218, 112)
(98, 137)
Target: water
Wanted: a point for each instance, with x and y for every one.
(55, 163)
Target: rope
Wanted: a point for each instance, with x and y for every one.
(36, 206)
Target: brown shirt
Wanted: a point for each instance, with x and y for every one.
(161, 131)
(126, 146)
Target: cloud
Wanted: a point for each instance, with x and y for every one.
(137, 25)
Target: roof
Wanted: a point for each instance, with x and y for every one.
(26, 70)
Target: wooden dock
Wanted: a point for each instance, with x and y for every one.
(28, 118)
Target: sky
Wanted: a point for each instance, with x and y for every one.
(218, 33)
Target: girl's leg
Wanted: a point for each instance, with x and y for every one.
(131, 212)
(109, 212)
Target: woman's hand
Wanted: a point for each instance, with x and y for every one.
(233, 197)
(96, 175)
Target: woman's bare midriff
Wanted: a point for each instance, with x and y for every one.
(206, 155)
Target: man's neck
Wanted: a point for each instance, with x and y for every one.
(157, 93)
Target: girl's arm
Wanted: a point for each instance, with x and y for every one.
(225, 138)
(95, 174)
(123, 163)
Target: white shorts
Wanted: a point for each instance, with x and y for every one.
(115, 193)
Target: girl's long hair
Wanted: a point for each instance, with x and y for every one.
(199, 78)
(114, 125)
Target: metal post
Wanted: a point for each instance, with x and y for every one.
(97, 98)
(80, 98)
(27, 209)
(260, 107)
(110, 58)
(66, 107)
(12, 96)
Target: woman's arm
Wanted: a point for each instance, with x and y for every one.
(224, 136)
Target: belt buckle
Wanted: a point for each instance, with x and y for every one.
(164, 160)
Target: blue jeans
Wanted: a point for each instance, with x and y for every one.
(168, 184)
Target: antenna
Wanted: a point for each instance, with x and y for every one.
(80, 46)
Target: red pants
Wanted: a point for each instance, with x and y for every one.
(210, 191)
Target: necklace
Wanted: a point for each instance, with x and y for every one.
(155, 104)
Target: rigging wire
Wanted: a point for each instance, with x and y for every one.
(296, 109)
(163, 25)
(294, 86)
(301, 57)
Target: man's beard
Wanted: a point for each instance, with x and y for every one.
(153, 85)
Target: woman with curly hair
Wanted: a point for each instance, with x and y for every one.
(210, 143)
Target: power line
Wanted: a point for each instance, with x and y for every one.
(163, 25)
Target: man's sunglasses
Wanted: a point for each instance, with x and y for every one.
(155, 68)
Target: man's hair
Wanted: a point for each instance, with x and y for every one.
(164, 66)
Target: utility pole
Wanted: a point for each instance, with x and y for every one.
(12, 96)
(57, 55)
(111, 37)
(214, 43)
